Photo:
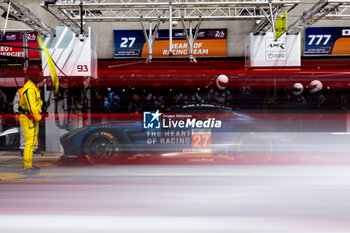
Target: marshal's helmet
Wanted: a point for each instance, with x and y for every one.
(315, 86)
(222, 82)
(297, 88)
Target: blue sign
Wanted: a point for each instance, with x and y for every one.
(324, 41)
(128, 43)
(132, 43)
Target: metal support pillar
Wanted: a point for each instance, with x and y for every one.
(272, 18)
(269, 21)
(25, 50)
(150, 38)
(191, 39)
(7, 17)
(170, 29)
(81, 35)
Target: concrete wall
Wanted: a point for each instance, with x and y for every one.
(237, 30)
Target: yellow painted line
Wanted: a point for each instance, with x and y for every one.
(50, 163)
(21, 158)
(41, 177)
(10, 176)
(95, 164)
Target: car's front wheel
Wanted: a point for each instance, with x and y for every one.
(101, 148)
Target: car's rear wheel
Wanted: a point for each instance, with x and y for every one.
(101, 148)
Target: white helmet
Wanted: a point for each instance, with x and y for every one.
(297, 88)
(222, 81)
(315, 86)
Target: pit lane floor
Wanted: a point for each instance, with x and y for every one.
(157, 199)
(11, 164)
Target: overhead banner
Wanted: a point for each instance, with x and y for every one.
(73, 57)
(264, 51)
(16, 39)
(132, 43)
(327, 41)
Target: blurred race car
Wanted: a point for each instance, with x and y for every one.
(209, 133)
(195, 133)
(9, 139)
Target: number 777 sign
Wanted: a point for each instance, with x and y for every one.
(321, 41)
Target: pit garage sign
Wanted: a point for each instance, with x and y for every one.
(132, 43)
(327, 41)
(16, 38)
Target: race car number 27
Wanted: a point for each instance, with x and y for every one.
(201, 140)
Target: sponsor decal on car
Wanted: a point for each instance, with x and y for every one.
(179, 128)
(191, 123)
(169, 137)
(153, 120)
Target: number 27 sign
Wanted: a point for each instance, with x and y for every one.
(201, 139)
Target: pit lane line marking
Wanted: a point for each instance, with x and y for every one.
(68, 175)
(19, 157)
(49, 163)
(62, 175)
(20, 177)
(10, 176)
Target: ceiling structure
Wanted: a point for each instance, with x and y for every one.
(329, 9)
(73, 14)
(156, 11)
(16, 10)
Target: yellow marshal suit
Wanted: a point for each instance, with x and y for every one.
(31, 103)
